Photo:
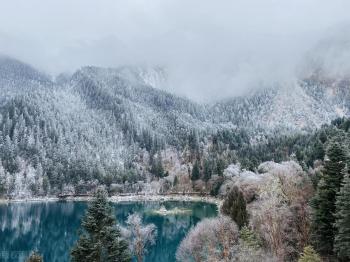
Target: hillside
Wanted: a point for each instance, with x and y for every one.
(113, 125)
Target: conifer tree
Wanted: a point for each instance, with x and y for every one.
(249, 237)
(309, 255)
(176, 181)
(3, 184)
(342, 237)
(160, 169)
(207, 170)
(323, 203)
(220, 166)
(234, 206)
(193, 140)
(322, 221)
(195, 175)
(334, 165)
(100, 239)
(157, 166)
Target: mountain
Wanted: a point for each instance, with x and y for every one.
(137, 105)
(301, 105)
(104, 125)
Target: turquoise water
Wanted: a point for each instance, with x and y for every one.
(51, 227)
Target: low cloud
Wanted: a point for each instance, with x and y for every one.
(210, 49)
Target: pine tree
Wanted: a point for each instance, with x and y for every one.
(207, 170)
(160, 169)
(176, 181)
(309, 255)
(100, 238)
(235, 207)
(195, 175)
(342, 237)
(322, 228)
(193, 140)
(334, 165)
(220, 166)
(3, 183)
(249, 238)
(157, 166)
(322, 221)
(35, 257)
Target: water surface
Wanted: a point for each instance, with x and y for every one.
(51, 227)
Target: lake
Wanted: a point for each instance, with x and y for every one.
(51, 227)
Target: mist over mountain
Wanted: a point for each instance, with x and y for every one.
(209, 53)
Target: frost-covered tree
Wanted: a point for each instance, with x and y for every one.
(140, 236)
(273, 220)
(210, 240)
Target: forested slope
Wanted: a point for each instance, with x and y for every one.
(112, 126)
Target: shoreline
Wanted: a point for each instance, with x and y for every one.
(119, 199)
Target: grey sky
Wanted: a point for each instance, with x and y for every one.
(211, 49)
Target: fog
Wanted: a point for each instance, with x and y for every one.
(209, 49)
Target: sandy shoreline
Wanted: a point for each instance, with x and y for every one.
(117, 199)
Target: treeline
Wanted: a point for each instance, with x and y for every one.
(57, 150)
(56, 141)
(305, 148)
(76, 138)
(211, 154)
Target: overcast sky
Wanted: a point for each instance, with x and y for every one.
(211, 49)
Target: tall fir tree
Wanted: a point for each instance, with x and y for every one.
(207, 173)
(157, 166)
(322, 230)
(342, 237)
(100, 239)
(334, 165)
(323, 203)
(160, 168)
(195, 174)
(235, 206)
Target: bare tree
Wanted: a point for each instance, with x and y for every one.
(140, 236)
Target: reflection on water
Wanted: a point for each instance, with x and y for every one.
(51, 228)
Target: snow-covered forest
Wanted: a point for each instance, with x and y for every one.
(112, 127)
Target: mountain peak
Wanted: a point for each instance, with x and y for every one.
(13, 69)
